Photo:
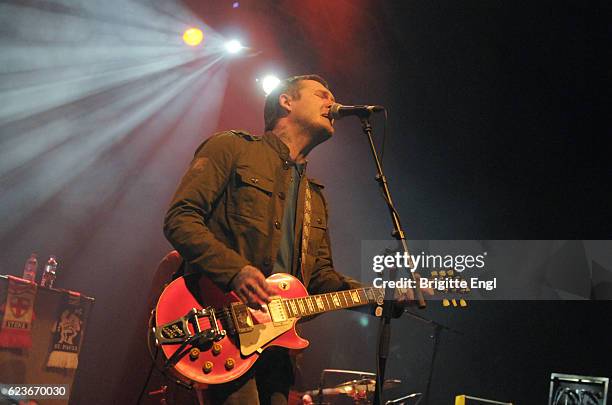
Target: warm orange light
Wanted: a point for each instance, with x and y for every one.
(193, 36)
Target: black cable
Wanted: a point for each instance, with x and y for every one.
(384, 139)
(153, 361)
(154, 364)
(154, 357)
(146, 384)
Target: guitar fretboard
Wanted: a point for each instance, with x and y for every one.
(316, 304)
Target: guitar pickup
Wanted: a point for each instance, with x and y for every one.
(277, 311)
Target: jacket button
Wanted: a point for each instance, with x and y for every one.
(281, 195)
(277, 224)
(255, 180)
(319, 220)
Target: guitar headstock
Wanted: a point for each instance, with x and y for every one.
(455, 288)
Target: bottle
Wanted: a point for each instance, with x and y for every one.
(31, 268)
(48, 276)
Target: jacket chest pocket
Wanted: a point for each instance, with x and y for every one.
(252, 194)
(318, 228)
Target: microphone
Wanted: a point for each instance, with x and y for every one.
(337, 111)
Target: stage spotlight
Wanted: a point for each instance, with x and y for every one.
(269, 83)
(233, 46)
(193, 36)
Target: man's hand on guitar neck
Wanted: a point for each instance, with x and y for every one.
(251, 287)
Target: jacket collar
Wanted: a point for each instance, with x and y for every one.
(283, 152)
(278, 145)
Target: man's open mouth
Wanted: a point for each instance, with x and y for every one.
(331, 120)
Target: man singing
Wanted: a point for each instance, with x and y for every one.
(245, 210)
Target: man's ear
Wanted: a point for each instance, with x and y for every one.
(284, 100)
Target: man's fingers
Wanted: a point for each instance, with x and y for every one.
(253, 302)
(266, 287)
(260, 295)
(252, 288)
(251, 298)
(242, 296)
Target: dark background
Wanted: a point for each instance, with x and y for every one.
(497, 127)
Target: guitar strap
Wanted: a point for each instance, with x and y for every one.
(306, 223)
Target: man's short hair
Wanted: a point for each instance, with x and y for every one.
(272, 110)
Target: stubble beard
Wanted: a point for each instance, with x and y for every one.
(318, 132)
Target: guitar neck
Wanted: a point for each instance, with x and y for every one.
(319, 303)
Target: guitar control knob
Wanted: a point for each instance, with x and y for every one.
(229, 364)
(207, 367)
(216, 348)
(194, 353)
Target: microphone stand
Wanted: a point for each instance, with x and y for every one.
(437, 329)
(384, 333)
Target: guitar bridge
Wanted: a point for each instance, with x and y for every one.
(241, 317)
(177, 331)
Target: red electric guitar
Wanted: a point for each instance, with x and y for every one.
(211, 337)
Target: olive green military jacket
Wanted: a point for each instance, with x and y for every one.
(228, 210)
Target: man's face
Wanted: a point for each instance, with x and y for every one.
(311, 110)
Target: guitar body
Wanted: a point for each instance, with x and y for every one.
(247, 332)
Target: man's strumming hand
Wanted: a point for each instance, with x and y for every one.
(251, 287)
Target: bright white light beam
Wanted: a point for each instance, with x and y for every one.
(269, 83)
(233, 46)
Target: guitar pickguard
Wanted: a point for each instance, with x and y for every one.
(258, 328)
(261, 335)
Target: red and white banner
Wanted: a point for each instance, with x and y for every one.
(16, 327)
